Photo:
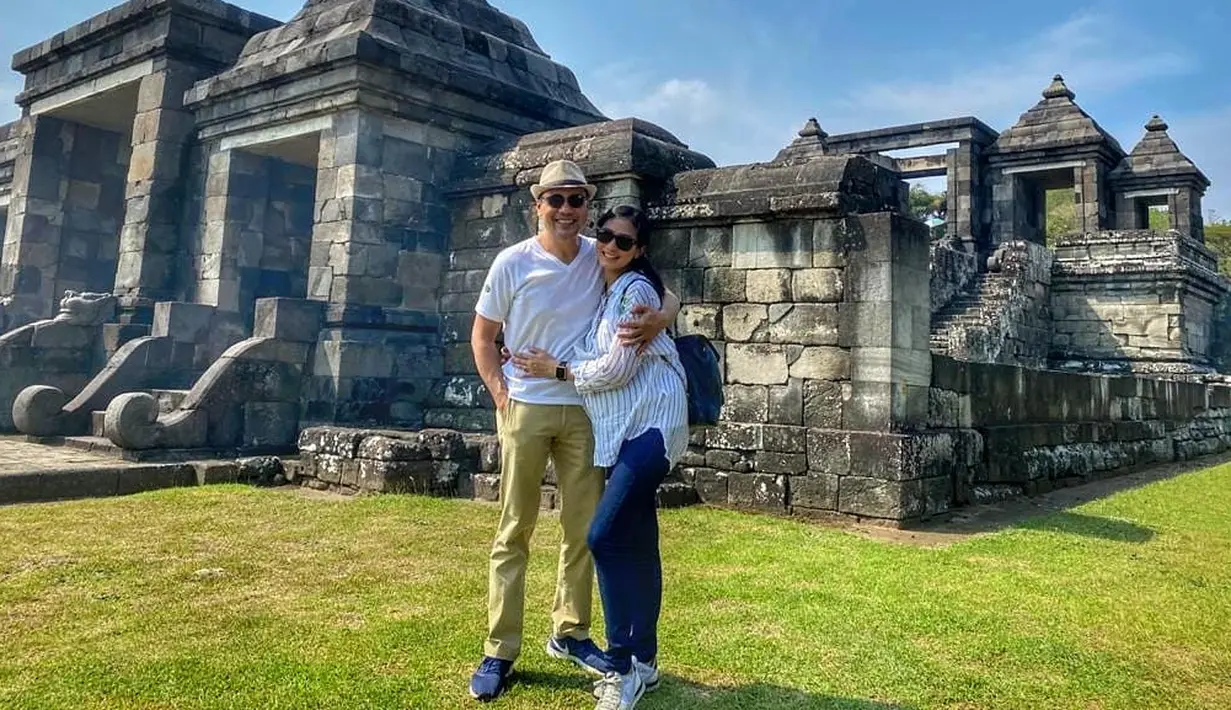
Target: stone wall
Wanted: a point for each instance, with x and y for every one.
(254, 232)
(1134, 300)
(64, 220)
(1010, 430)
(429, 462)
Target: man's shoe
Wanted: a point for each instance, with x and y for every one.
(491, 679)
(619, 692)
(648, 673)
(583, 652)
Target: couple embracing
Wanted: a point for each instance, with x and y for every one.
(596, 385)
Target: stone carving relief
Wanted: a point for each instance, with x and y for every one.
(88, 309)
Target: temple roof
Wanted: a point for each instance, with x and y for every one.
(1056, 122)
(464, 46)
(1157, 156)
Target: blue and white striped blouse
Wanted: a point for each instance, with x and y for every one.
(626, 393)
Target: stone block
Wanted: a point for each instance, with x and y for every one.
(874, 498)
(710, 247)
(270, 424)
(816, 491)
(805, 324)
(822, 404)
(744, 322)
(779, 462)
(758, 491)
(182, 322)
(821, 363)
(293, 319)
(786, 403)
(712, 486)
(817, 286)
(697, 320)
(735, 436)
(829, 452)
(745, 403)
(768, 286)
(487, 487)
(724, 286)
(772, 245)
(757, 364)
(785, 439)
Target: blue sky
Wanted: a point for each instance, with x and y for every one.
(735, 79)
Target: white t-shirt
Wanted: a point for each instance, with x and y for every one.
(543, 303)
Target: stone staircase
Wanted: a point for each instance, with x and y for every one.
(97, 442)
(1004, 315)
(979, 306)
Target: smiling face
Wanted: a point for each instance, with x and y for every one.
(566, 221)
(610, 256)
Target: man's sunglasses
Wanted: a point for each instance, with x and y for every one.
(557, 201)
(623, 241)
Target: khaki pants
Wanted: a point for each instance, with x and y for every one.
(529, 434)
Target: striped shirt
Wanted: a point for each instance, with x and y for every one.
(625, 393)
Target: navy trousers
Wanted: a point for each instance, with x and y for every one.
(623, 539)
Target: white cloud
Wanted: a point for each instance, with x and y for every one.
(726, 122)
(1087, 49)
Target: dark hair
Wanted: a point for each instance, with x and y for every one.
(641, 223)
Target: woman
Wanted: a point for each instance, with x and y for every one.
(637, 406)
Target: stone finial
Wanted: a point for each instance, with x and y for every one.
(1058, 89)
(812, 129)
(1156, 123)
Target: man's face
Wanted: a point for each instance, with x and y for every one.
(563, 213)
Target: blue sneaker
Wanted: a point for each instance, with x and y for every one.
(491, 679)
(583, 652)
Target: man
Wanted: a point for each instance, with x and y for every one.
(544, 292)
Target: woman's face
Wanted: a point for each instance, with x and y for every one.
(617, 232)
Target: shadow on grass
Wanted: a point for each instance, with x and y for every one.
(1052, 511)
(1089, 526)
(675, 693)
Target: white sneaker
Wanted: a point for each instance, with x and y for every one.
(619, 692)
(648, 673)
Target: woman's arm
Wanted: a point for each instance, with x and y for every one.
(612, 369)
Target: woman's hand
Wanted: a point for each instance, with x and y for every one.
(536, 363)
(645, 325)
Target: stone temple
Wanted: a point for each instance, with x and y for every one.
(225, 235)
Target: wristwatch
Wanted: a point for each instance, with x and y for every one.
(562, 370)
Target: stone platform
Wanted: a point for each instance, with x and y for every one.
(31, 472)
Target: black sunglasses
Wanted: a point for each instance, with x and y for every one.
(557, 201)
(623, 241)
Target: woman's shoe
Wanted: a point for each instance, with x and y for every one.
(619, 692)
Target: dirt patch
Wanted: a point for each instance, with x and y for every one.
(981, 519)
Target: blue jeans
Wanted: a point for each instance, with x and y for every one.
(623, 539)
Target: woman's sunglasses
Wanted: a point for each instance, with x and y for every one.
(623, 242)
(557, 201)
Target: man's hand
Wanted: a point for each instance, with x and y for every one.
(645, 325)
(501, 399)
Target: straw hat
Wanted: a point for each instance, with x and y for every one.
(562, 174)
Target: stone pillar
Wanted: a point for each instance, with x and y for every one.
(32, 235)
(966, 202)
(885, 319)
(378, 256)
(150, 237)
(233, 217)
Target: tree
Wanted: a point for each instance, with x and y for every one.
(924, 204)
(1061, 213)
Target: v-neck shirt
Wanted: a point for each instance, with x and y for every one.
(544, 303)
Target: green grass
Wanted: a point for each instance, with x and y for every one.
(231, 597)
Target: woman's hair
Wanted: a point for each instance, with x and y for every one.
(641, 223)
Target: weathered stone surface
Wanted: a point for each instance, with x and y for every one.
(758, 364)
(757, 491)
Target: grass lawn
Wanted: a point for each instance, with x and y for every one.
(231, 597)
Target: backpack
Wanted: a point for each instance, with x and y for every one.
(703, 379)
